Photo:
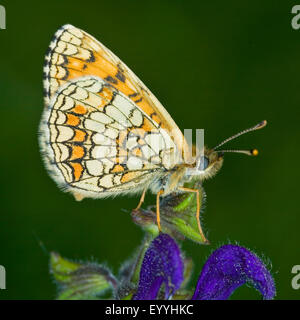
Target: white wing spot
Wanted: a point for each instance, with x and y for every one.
(123, 104)
(137, 118)
(80, 94)
(107, 181)
(132, 143)
(100, 139)
(101, 117)
(94, 125)
(111, 133)
(102, 152)
(65, 133)
(134, 163)
(117, 115)
(155, 141)
(94, 167)
(147, 152)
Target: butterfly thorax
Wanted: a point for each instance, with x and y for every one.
(204, 167)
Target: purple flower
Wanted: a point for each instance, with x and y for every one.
(162, 264)
(225, 270)
(228, 268)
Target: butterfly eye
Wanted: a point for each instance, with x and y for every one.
(204, 162)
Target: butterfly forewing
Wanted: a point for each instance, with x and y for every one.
(102, 131)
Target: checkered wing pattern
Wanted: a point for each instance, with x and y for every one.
(102, 132)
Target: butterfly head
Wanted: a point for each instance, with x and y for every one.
(208, 164)
(210, 161)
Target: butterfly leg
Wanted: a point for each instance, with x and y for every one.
(198, 209)
(157, 209)
(141, 200)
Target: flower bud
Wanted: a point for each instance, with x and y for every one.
(80, 281)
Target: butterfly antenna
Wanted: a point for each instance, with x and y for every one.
(253, 152)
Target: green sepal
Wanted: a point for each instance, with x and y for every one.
(182, 295)
(129, 272)
(80, 281)
(188, 271)
(177, 214)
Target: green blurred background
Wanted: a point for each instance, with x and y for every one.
(218, 65)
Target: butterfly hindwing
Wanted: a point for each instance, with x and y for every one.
(99, 141)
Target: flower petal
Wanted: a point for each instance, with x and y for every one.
(228, 268)
(162, 264)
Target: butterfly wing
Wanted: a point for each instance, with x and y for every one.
(102, 131)
(74, 53)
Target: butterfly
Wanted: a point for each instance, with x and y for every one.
(103, 133)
